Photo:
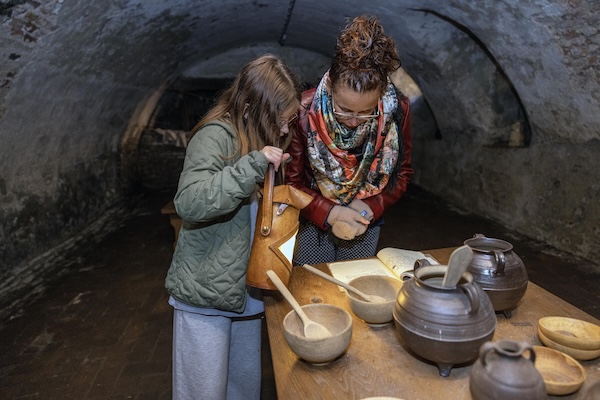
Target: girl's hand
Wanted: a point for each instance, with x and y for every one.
(275, 155)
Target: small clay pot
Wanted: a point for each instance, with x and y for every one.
(499, 271)
(504, 372)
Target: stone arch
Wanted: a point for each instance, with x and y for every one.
(465, 75)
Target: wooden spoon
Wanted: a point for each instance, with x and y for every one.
(457, 265)
(312, 329)
(372, 298)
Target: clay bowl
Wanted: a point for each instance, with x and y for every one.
(571, 332)
(575, 353)
(562, 374)
(374, 313)
(319, 351)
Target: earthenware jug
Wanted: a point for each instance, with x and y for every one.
(506, 370)
(499, 271)
(445, 325)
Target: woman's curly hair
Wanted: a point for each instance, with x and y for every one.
(364, 56)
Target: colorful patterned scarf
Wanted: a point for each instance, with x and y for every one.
(340, 174)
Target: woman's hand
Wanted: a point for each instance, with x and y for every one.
(362, 208)
(346, 223)
(275, 155)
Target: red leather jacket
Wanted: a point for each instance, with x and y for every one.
(298, 172)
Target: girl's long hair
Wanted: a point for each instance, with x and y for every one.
(262, 93)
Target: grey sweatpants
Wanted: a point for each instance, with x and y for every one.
(215, 357)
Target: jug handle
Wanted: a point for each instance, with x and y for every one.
(485, 350)
(528, 346)
(422, 262)
(406, 275)
(472, 296)
(500, 261)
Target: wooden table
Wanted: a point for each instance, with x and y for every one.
(376, 362)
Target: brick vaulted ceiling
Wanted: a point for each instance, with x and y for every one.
(78, 80)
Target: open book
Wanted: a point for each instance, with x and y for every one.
(389, 261)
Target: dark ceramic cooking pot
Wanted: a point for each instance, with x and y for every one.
(499, 271)
(506, 370)
(445, 325)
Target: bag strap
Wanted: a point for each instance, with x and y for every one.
(266, 222)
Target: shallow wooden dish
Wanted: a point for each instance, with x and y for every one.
(571, 332)
(575, 353)
(562, 373)
(319, 351)
(374, 313)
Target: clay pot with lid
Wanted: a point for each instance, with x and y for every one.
(444, 325)
(499, 271)
(506, 370)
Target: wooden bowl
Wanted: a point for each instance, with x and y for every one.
(575, 353)
(562, 373)
(571, 332)
(374, 313)
(319, 351)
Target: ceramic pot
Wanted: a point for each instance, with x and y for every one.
(445, 325)
(504, 372)
(499, 271)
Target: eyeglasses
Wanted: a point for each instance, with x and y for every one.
(347, 115)
(289, 121)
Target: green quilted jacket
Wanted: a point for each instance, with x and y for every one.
(209, 264)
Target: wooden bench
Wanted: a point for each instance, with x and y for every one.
(174, 219)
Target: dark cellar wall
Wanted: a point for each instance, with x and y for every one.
(159, 164)
(76, 200)
(160, 153)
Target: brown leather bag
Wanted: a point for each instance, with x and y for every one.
(275, 232)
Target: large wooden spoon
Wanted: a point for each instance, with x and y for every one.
(372, 298)
(457, 265)
(312, 329)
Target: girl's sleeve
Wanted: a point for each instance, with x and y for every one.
(212, 185)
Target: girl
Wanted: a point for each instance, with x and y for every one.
(216, 323)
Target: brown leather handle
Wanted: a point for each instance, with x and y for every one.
(267, 202)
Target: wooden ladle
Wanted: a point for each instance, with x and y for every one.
(457, 265)
(372, 298)
(312, 329)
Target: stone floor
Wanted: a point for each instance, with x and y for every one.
(103, 329)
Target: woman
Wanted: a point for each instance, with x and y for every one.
(216, 323)
(351, 148)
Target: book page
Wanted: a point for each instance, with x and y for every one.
(345, 271)
(400, 260)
